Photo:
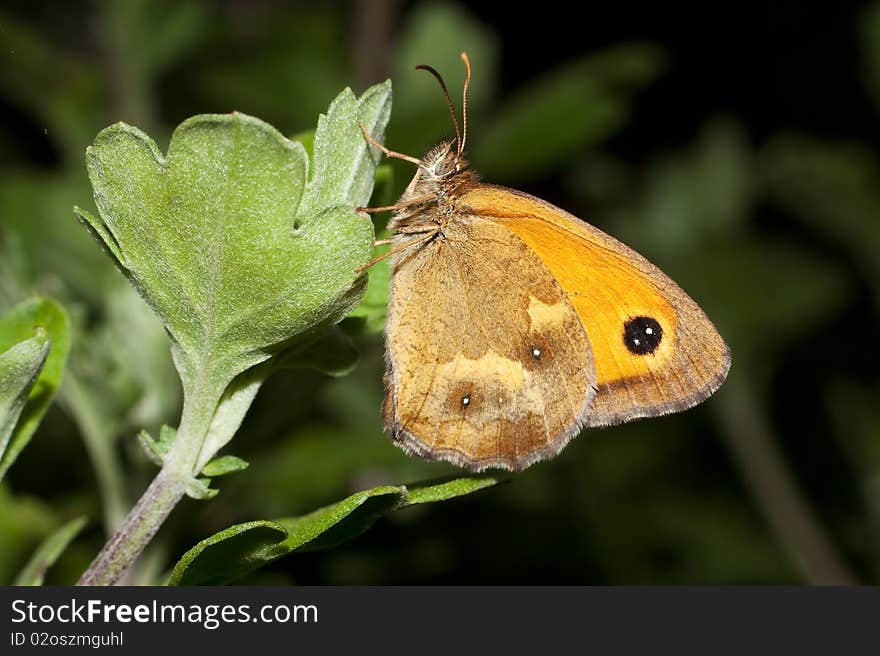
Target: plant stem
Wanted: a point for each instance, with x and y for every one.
(136, 531)
(163, 494)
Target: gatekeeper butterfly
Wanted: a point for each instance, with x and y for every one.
(513, 324)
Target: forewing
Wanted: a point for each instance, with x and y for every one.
(612, 288)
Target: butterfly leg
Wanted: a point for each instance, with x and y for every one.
(398, 206)
(394, 251)
(404, 231)
(388, 153)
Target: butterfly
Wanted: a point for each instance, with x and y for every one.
(512, 324)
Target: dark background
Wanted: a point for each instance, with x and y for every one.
(734, 145)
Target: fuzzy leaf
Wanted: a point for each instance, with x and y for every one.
(47, 320)
(344, 164)
(48, 552)
(224, 465)
(201, 490)
(231, 554)
(214, 236)
(19, 368)
(429, 492)
(156, 449)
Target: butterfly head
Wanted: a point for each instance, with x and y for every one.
(443, 162)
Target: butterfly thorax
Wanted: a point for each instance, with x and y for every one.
(428, 203)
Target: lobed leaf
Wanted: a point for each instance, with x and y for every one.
(228, 238)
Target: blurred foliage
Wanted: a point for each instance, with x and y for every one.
(773, 228)
(34, 572)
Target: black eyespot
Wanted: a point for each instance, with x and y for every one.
(536, 352)
(642, 335)
(466, 400)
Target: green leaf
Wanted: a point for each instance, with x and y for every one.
(200, 489)
(156, 449)
(229, 554)
(232, 553)
(230, 412)
(19, 368)
(307, 139)
(239, 249)
(224, 465)
(26, 333)
(48, 552)
(344, 164)
(332, 525)
(442, 490)
(255, 267)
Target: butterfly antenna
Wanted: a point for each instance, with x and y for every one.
(467, 82)
(439, 78)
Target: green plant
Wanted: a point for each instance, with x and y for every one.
(34, 340)
(247, 250)
(622, 133)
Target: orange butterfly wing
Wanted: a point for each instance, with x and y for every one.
(485, 368)
(613, 289)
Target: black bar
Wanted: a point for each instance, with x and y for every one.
(602, 620)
